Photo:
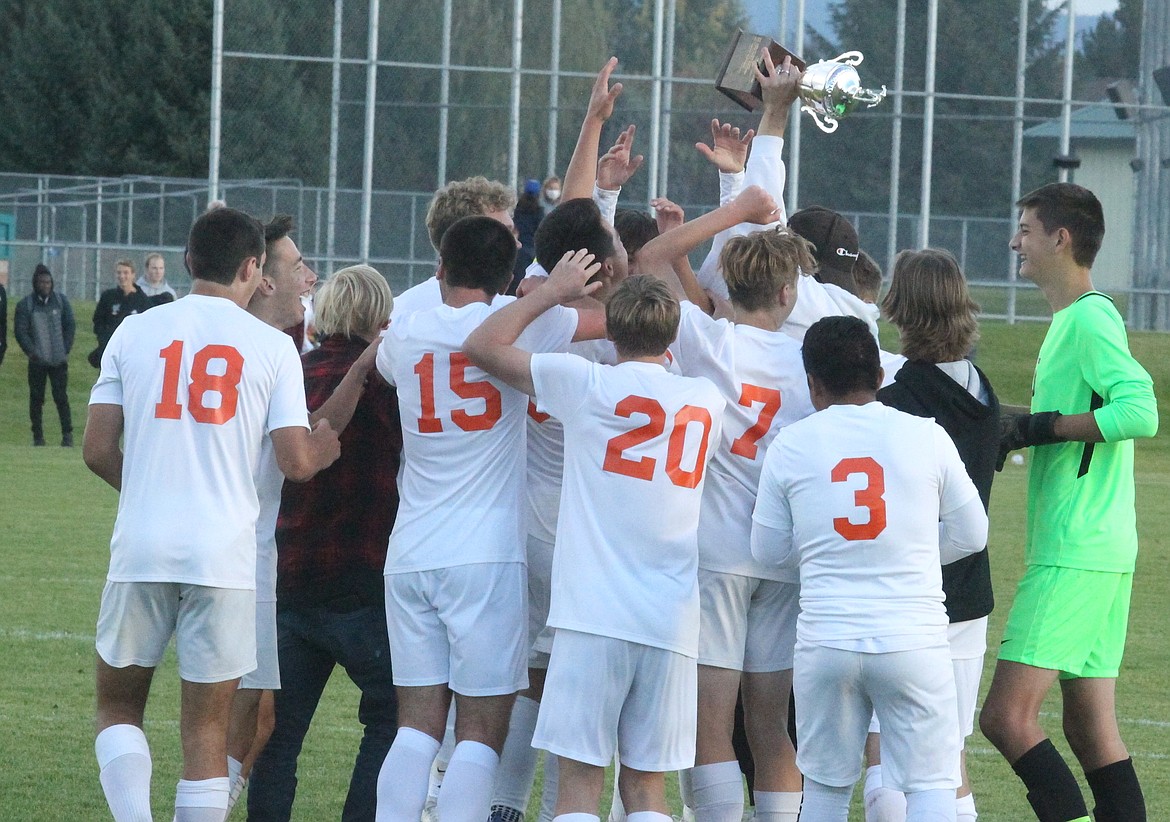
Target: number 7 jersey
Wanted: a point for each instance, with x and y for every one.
(200, 382)
(637, 443)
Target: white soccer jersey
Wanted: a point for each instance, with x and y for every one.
(637, 442)
(419, 297)
(269, 483)
(761, 376)
(463, 439)
(200, 382)
(546, 452)
(861, 489)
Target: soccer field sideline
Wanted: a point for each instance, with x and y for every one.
(56, 520)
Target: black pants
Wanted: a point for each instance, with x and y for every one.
(58, 377)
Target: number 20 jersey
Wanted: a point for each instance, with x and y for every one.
(200, 382)
(637, 443)
(861, 488)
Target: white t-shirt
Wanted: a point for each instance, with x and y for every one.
(200, 382)
(463, 439)
(637, 442)
(761, 376)
(546, 452)
(269, 483)
(419, 297)
(861, 490)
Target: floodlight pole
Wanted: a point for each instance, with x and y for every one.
(928, 123)
(213, 147)
(896, 137)
(371, 118)
(444, 92)
(1017, 146)
(514, 114)
(655, 102)
(1066, 107)
(554, 88)
(792, 198)
(667, 100)
(334, 128)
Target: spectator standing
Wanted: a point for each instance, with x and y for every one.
(331, 540)
(114, 305)
(153, 281)
(3, 323)
(526, 216)
(44, 329)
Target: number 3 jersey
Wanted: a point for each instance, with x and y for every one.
(200, 382)
(861, 489)
(463, 439)
(637, 443)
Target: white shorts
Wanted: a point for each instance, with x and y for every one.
(747, 624)
(912, 692)
(968, 644)
(465, 627)
(266, 677)
(540, 636)
(604, 695)
(214, 628)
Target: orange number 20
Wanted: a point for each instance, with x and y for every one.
(616, 463)
(870, 497)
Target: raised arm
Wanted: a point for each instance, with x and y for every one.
(583, 165)
(492, 346)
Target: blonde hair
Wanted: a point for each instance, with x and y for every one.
(929, 303)
(465, 198)
(354, 302)
(642, 317)
(758, 265)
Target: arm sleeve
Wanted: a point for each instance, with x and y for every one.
(607, 201)
(384, 362)
(962, 531)
(1131, 409)
(772, 534)
(730, 184)
(288, 407)
(562, 383)
(21, 327)
(551, 331)
(962, 519)
(68, 324)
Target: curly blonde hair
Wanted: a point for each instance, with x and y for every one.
(465, 198)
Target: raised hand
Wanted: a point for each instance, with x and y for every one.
(569, 279)
(778, 86)
(603, 96)
(755, 205)
(617, 165)
(667, 214)
(728, 150)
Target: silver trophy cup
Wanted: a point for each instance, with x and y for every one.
(831, 89)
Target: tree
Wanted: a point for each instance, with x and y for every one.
(1113, 46)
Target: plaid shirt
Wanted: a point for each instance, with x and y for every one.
(333, 530)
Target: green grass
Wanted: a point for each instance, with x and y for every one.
(55, 521)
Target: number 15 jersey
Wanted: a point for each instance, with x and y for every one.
(200, 382)
(637, 443)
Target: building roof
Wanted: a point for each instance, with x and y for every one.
(1096, 122)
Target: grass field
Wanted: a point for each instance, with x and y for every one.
(55, 522)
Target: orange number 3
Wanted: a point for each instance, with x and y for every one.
(870, 497)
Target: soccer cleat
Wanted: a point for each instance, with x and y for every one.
(502, 813)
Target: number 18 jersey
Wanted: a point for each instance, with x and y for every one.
(200, 382)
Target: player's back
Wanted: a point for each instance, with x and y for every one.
(761, 376)
(463, 440)
(637, 441)
(865, 485)
(200, 382)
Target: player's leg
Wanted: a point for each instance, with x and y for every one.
(882, 804)
(360, 645)
(135, 622)
(215, 638)
(305, 667)
(481, 726)
(716, 784)
(579, 786)
(766, 687)
(968, 646)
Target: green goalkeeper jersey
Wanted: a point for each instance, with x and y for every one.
(1081, 495)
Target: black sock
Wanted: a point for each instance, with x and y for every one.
(1053, 791)
(1117, 793)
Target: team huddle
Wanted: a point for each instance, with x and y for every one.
(632, 497)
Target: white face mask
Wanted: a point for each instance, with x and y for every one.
(552, 194)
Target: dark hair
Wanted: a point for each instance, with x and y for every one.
(219, 243)
(478, 252)
(41, 270)
(572, 225)
(842, 355)
(642, 317)
(275, 230)
(1074, 208)
(528, 203)
(635, 228)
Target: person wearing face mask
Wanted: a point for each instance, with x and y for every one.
(550, 193)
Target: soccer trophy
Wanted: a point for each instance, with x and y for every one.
(828, 90)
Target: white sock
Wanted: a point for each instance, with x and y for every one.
(648, 816)
(825, 803)
(965, 808)
(576, 817)
(882, 804)
(439, 768)
(236, 781)
(777, 806)
(403, 777)
(518, 759)
(718, 792)
(931, 806)
(124, 760)
(467, 788)
(201, 800)
(686, 791)
(548, 792)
